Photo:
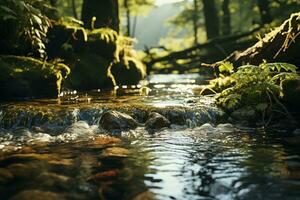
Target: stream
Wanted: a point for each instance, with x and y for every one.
(55, 148)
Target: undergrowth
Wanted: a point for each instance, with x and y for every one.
(259, 87)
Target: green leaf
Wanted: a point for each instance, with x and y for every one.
(7, 9)
(226, 67)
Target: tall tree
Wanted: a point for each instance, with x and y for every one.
(131, 9)
(106, 13)
(226, 18)
(195, 22)
(264, 9)
(211, 19)
(53, 3)
(74, 9)
(128, 24)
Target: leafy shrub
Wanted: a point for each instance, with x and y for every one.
(257, 86)
(29, 20)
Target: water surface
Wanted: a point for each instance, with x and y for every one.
(55, 149)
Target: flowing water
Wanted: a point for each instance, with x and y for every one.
(55, 149)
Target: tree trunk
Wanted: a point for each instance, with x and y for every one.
(53, 3)
(264, 10)
(226, 19)
(128, 25)
(74, 9)
(105, 11)
(211, 19)
(195, 22)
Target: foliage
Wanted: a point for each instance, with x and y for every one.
(30, 20)
(257, 86)
(137, 7)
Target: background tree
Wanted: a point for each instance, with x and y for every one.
(130, 9)
(212, 24)
(226, 18)
(105, 14)
(264, 9)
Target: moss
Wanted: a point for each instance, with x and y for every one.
(66, 39)
(99, 58)
(89, 72)
(104, 41)
(27, 77)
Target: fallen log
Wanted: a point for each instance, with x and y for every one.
(280, 45)
(217, 43)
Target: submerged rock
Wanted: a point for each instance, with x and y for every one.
(36, 195)
(157, 121)
(113, 120)
(176, 116)
(115, 152)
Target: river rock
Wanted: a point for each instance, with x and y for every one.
(115, 152)
(157, 121)
(177, 116)
(113, 120)
(225, 128)
(37, 195)
(207, 128)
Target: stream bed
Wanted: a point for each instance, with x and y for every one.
(55, 148)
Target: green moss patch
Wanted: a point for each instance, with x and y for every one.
(28, 77)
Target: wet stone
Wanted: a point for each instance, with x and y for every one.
(157, 121)
(103, 140)
(37, 195)
(207, 128)
(113, 120)
(177, 116)
(115, 152)
(107, 175)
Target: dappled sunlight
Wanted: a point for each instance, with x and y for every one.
(149, 99)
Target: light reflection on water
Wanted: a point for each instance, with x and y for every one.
(69, 155)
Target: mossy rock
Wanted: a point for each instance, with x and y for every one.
(129, 71)
(104, 41)
(28, 77)
(89, 72)
(65, 40)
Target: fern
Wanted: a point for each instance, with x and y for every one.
(32, 23)
(256, 86)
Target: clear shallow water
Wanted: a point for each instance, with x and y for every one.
(56, 150)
